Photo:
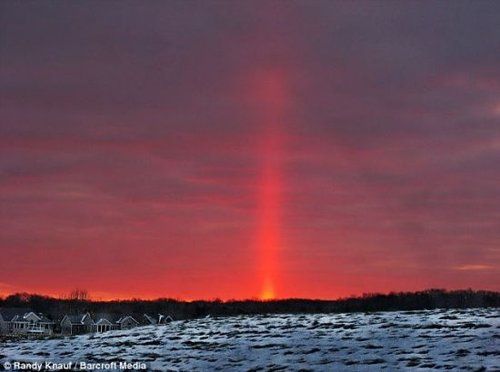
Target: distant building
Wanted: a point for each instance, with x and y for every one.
(156, 319)
(76, 324)
(6, 315)
(164, 319)
(127, 322)
(147, 320)
(104, 322)
(24, 321)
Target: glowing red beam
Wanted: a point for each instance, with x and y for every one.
(271, 99)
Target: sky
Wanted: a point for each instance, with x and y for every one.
(259, 149)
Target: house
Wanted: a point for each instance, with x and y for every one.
(164, 319)
(105, 322)
(150, 320)
(6, 315)
(76, 324)
(24, 321)
(127, 322)
(156, 320)
(108, 322)
(32, 323)
(100, 322)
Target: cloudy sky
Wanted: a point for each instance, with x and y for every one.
(249, 149)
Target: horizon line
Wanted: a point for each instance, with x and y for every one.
(4, 297)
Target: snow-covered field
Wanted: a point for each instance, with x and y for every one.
(418, 340)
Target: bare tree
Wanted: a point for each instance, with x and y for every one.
(79, 295)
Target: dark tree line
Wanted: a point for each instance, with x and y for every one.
(428, 299)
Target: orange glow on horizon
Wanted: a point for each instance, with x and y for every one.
(268, 291)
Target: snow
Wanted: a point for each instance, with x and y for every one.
(417, 340)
